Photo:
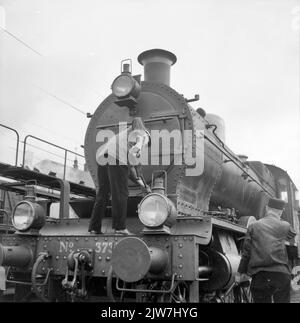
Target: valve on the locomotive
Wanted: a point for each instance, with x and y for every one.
(132, 258)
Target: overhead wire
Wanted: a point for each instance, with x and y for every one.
(36, 52)
(20, 41)
(72, 106)
(61, 100)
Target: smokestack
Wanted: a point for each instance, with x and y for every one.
(157, 64)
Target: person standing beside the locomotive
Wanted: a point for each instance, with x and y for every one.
(114, 169)
(264, 256)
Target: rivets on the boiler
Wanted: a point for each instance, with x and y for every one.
(58, 238)
(191, 238)
(67, 239)
(76, 238)
(116, 239)
(100, 258)
(96, 239)
(176, 238)
(105, 239)
(103, 272)
(184, 238)
(180, 245)
(43, 268)
(45, 246)
(180, 266)
(167, 239)
(65, 257)
(107, 258)
(180, 256)
(90, 250)
(86, 239)
(180, 276)
(57, 257)
(57, 269)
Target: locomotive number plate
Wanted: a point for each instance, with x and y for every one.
(100, 247)
(104, 247)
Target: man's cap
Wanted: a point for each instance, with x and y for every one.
(276, 204)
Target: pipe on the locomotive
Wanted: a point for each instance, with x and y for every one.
(17, 256)
(132, 259)
(157, 65)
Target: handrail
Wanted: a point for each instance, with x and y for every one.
(18, 140)
(51, 144)
(236, 163)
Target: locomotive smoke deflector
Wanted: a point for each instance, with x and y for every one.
(157, 65)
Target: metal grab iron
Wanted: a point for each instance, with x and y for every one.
(37, 287)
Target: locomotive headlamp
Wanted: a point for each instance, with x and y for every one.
(28, 215)
(122, 86)
(126, 87)
(156, 210)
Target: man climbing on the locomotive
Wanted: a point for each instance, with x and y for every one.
(117, 162)
(264, 256)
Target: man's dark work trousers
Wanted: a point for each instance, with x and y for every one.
(267, 285)
(111, 179)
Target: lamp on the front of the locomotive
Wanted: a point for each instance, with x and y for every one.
(126, 87)
(156, 211)
(29, 214)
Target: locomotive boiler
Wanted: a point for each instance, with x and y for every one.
(187, 232)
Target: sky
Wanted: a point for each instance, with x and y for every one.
(58, 59)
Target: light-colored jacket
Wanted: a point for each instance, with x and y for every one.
(125, 147)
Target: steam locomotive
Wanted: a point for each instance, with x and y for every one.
(188, 231)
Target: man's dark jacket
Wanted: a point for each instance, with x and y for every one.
(264, 246)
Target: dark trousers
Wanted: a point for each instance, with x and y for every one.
(266, 286)
(111, 179)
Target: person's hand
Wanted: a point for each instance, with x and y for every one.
(148, 189)
(239, 278)
(140, 182)
(135, 151)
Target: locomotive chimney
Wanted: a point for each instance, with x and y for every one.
(157, 64)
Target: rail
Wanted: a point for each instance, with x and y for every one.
(66, 151)
(18, 140)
